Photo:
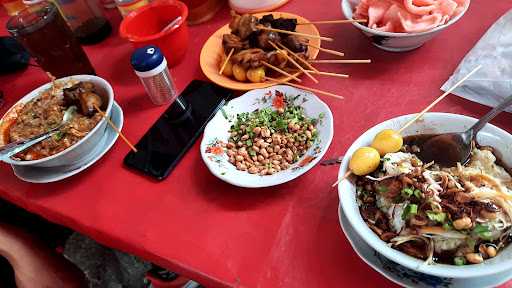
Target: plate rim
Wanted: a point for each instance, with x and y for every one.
(252, 86)
(116, 108)
(258, 184)
(373, 240)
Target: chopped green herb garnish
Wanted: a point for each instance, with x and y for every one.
(58, 136)
(418, 193)
(482, 231)
(447, 226)
(479, 228)
(385, 159)
(407, 192)
(459, 261)
(436, 216)
(410, 209)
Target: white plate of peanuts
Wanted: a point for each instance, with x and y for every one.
(267, 137)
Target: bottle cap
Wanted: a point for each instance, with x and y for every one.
(147, 58)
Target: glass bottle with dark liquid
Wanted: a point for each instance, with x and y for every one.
(86, 20)
(45, 34)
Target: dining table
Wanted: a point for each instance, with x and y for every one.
(221, 235)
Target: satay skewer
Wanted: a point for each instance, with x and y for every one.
(328, 74)
(226, 61)
(340, 61)
(261, 27)
(115, 128)
(293, 62)
(438, 99)
(342, 21)
(277, 81)
(297, 56)
(333, 52)
(418, 116)
(281, 71)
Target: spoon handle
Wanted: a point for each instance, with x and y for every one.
(14, 148)
(489, 116)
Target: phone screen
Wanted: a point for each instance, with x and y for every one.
(165, 143)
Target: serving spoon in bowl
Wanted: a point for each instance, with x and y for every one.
(14, 148)
(448, 149)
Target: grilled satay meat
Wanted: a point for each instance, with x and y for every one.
(268, 36)
(231, 41)
(287, 24)
(243, 26)
(277, 59)
(295, 43)
(250, 58)
(83, 96)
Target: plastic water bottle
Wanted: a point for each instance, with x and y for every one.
(150, 65)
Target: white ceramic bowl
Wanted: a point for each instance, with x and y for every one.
(430, 123)
(395, 42)
(82, 148)
(217, 130)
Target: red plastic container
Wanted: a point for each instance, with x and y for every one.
(144, 27)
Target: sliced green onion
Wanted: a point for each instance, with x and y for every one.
(459, 261)
(436, 216)
(447, 226)
(410, 209)
(418, 193)
(479, 228)
(486, 235)
(407, 192)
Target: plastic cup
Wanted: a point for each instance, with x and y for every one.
(144, 27)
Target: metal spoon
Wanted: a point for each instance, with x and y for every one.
(14, 148)
(451, 148)
(172, 24)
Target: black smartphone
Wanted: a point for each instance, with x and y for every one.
(170, 137)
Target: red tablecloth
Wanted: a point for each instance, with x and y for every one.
(220, 235)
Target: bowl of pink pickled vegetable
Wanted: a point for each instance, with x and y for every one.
(403, 25)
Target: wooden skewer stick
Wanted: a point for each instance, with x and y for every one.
(281, 71)
(297, 56)
(115, 128)
(423, 112)
(339, 61)
(261, 27)
(53, 82)
(333, 52)
(342, 178)
(334, 21)
(418, 116)
(304, 87)
(293, 62)
(328, 74)
(226, 61)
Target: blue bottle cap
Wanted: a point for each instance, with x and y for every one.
(147, 58)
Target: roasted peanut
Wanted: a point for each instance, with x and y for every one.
(474, 258)
(462, 223)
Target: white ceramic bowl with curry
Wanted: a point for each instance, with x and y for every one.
(73, 143)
